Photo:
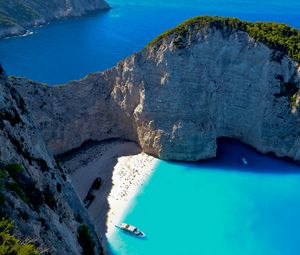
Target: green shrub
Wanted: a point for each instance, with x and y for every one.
(85, 240)
(276, 36)
(10, 245)
(3, 173)
(15, 187)
(14, 170)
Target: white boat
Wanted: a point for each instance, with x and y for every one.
(132, 230)
(245, 162)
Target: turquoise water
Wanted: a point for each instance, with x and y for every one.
(70, 49)
(217, 207)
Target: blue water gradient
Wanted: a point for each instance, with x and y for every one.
(217, 207)
(70, 49)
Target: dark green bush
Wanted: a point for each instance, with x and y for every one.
(14, 170)
(15, 187)
(85, 240)
(3, 173)
(276, 36)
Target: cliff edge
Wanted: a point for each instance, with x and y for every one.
(208, 78)
(18, 16)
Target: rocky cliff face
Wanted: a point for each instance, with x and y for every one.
(177, 97)
(17, 16)
(40, 200)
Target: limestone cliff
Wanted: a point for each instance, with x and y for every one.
(17, 16)
(203, 80)
(40, 200)
(178, 96)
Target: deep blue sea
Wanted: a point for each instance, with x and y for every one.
(70, 49)
(216, 207)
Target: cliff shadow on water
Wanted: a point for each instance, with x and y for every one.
(229, 157)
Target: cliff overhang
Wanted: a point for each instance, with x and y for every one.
(209, 77)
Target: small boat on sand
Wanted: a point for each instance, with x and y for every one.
(244, 160)
(132, 230)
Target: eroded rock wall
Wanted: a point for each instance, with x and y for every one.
(40, 200)
(177, 97)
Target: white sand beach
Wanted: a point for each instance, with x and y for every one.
(123, 169)
(129, 174)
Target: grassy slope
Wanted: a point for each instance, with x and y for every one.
(276, 36)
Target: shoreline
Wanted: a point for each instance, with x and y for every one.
(123, 168)
(23, 31)
(136, 170)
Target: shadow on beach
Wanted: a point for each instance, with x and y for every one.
(93, 160)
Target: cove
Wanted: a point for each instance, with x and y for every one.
(214, 207)
(220, 206)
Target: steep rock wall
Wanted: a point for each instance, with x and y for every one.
(177, 97)
(44, 206)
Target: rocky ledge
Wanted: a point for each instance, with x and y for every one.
(18, 16)
(206, 79)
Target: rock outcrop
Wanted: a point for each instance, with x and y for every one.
(18, 16)
(174, 98)
(40, 200)
(177, 96)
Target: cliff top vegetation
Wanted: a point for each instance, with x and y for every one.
(276, 36)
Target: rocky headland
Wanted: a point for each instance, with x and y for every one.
(199, 82)
(206, 79)
(16, 17)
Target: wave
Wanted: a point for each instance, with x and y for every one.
(28, 32)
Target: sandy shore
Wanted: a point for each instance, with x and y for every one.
(129, 174)
(123, 169)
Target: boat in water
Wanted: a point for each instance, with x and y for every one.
(244, 160)
(132, 230)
